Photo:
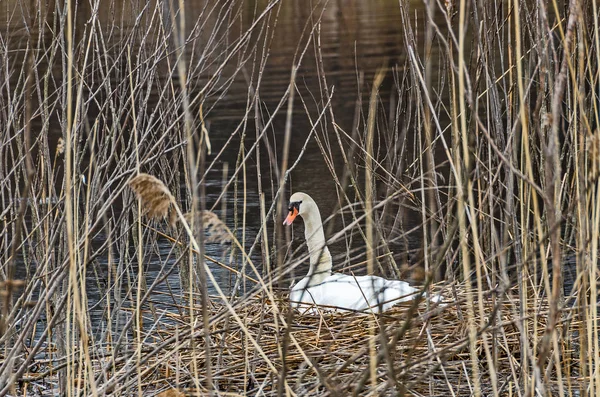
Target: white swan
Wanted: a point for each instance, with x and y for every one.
(338, 291)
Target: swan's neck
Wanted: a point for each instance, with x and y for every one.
(320, 258)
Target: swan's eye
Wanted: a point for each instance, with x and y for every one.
(296, 205)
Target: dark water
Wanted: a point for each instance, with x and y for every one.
(354, 38)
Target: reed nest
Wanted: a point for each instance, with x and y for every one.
(422, 348)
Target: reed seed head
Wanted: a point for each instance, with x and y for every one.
(215, 230)
(60, 147)
(155, 196)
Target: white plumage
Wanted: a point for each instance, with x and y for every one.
(337, 291)
(344, 292)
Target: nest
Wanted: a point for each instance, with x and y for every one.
(418, 349)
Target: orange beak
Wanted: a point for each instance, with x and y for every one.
(291, 216)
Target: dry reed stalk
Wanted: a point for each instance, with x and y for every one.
(369, 189)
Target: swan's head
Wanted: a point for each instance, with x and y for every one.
(300, 204)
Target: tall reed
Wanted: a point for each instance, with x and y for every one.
(465, 158)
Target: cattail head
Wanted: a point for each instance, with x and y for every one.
(155, 196)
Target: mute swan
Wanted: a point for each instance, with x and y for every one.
(340, 292)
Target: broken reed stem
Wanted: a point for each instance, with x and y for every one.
(463, 184)
(369, 188)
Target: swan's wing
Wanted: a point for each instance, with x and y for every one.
(380, 291)
(354, 293)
